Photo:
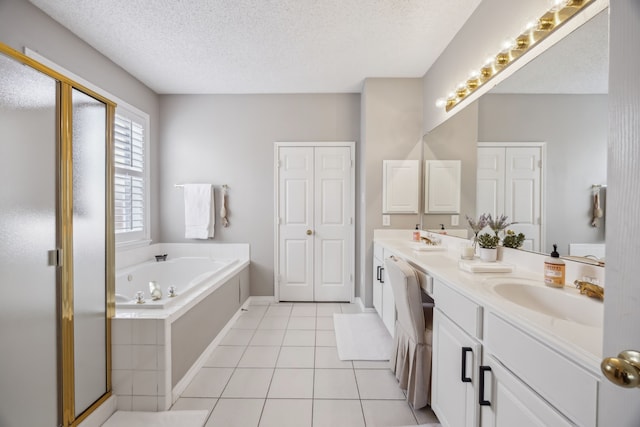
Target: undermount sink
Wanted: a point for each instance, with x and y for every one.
(560, 303)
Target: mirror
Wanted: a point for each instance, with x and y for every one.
(556, 108)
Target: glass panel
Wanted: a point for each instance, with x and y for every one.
(28, 328)
(89, 243)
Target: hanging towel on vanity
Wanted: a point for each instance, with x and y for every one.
(198, 211)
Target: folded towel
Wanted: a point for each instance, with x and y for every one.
(475, 266)
(198, 211)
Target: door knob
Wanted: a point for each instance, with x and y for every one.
(309, 232)
(623, 370)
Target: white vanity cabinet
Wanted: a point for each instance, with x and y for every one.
(558, 384)
(383, 300)
(456, 357)
(506, 401)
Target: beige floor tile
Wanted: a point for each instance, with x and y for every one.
(225, 357)
(296, 357)
(297, 338)
(237, 337)
(425, 415)
(325, 323)
(236, 413)
(307, 309)
(247, 322)
(327, 309)
(291, 384)
(259, 357)
(255, 310)
(335, 384)
(298, 322)
(326, 338)
(249, 382)
(287, 413)
(371, 364)
(384, 413)
(332, 413)
(278, 310)
(274, 322)
(194, 403)
(209, 382)
(327, 357)
(267, 337)
(378, 384)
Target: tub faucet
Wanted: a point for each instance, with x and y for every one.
(162, 257)
(590, 289)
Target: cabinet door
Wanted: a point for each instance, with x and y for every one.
(388, 303)
(509, 402)
(400, 186)
(377, 286)
(442, 186)
(454, 379)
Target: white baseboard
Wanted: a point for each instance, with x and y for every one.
(364, 309)
(261, 300)
(199, 363)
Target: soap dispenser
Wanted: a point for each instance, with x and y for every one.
(416, 233)
(554, 269)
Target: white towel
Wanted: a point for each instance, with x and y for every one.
(198, 211)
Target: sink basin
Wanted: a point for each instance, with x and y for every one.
(564, 303)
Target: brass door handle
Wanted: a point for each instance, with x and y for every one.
(309, 232)
(623, 370)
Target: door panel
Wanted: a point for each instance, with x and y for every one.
(522, 193)
(490, 190)
(333, 224)
(296, 208)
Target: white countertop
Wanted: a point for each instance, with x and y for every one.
(580, 343)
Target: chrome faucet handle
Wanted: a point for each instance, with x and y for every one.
(140, 297)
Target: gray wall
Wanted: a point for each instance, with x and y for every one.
(24, 25)
(575, 129)
(229, 139)
(391, 130)
(456, 139)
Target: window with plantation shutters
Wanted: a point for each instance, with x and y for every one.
(129, 178)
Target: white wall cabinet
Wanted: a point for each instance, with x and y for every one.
(442, 186)
(400, 186)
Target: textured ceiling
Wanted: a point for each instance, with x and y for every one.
(264, 46)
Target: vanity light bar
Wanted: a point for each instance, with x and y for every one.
(535, 32)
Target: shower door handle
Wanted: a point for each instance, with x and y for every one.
(54, 258)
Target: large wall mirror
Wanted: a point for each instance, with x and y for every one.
(550, 113)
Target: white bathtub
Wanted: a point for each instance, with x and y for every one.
(186, 274)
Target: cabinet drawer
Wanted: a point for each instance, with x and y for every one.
(464, 312)
(565, 385)
(426, 282)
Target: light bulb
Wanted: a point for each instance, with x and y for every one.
(441, 102)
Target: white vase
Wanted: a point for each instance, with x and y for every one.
(488, 254)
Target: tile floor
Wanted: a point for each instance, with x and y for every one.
(279, 366)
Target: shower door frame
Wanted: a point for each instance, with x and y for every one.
(64, 238)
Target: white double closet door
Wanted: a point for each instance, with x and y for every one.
(509, 182)
(314, 223)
